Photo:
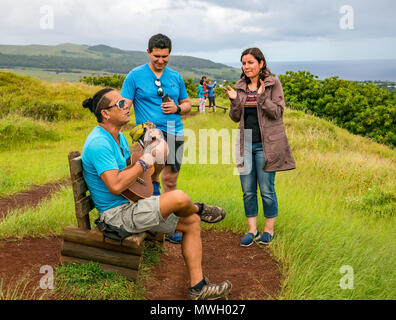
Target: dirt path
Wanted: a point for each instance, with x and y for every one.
(254, 274)
(29, 197)
(252, 271)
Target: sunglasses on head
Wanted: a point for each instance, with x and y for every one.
(120, 105)
(160, 91)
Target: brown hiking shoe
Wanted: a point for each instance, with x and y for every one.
(212, 214)
(211, 291)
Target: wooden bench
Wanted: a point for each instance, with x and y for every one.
(224, 108)
(83, 245)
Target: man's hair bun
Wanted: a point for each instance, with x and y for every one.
(96, 103)
(89, 104)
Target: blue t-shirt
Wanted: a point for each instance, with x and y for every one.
(101, 153)
(139, 87)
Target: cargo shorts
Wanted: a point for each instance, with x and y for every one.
(140, 216)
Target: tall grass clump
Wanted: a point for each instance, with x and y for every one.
(37, 99)
(17, 132)
(20, 288)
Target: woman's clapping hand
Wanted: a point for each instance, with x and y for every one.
(231, 93)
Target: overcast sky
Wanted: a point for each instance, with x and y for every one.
(293, 30)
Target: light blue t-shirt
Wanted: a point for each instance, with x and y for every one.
(201, 92)
(139, 87)
(101, 153)
(210, 88)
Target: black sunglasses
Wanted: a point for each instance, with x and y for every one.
(160, 91)
(120, 105)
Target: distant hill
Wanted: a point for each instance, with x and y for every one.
(102, 58)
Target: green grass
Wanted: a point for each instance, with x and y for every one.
(40, 162)
(37, 99)
(89, 282)
(336, 209)
(49, 217)
(19, 131)
(51, 76)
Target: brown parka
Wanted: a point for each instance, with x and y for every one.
(270, 107)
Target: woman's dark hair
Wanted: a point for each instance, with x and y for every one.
(201, 82)
(97, 103)
(259, 56)
(159, 41)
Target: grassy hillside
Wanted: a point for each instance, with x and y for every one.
(337, 209)
(102, 58)
(29, 97)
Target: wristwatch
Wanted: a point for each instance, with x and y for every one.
(178, 110)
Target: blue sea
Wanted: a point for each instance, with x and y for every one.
(357, 70)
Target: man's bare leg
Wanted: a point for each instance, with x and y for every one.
(180, 204)
(157, 170)
(169, 179)
(192, 246)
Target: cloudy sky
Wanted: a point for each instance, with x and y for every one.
(293, 30)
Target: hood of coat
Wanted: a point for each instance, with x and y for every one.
(241, 83)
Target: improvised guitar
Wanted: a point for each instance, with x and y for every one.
(142, 188)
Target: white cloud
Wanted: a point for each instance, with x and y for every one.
(216, 29)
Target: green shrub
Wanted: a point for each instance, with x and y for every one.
(361, 108)
(114, 81)
(16, 130)
(375, 201)
(29, 97)
(49, 110)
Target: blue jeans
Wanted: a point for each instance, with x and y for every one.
(254, 160)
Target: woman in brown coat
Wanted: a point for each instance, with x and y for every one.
(258, 105)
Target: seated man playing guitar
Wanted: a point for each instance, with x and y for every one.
(105, 157)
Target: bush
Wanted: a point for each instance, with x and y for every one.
(16, 130)
(361, 108)
(376, 202)
(29, 97)
(114, 81)
(49, 110)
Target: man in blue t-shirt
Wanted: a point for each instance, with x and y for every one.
(145, 87)
(109, 170)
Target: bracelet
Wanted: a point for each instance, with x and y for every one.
(178, 109)
(143, 164)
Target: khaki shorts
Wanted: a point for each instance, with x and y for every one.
(140, 216)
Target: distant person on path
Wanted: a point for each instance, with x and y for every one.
(211, 94)
(105, 157)
(204, 87)
(201, 97)
(257, 103)
(145, 86)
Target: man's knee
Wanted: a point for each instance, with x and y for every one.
(169, 181)
(191, 223)
(169, 178)
(181, 199)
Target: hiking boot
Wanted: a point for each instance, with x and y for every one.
(176, 238)
(211, 291)
(211, 214)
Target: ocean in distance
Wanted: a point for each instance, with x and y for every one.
(354, 70)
